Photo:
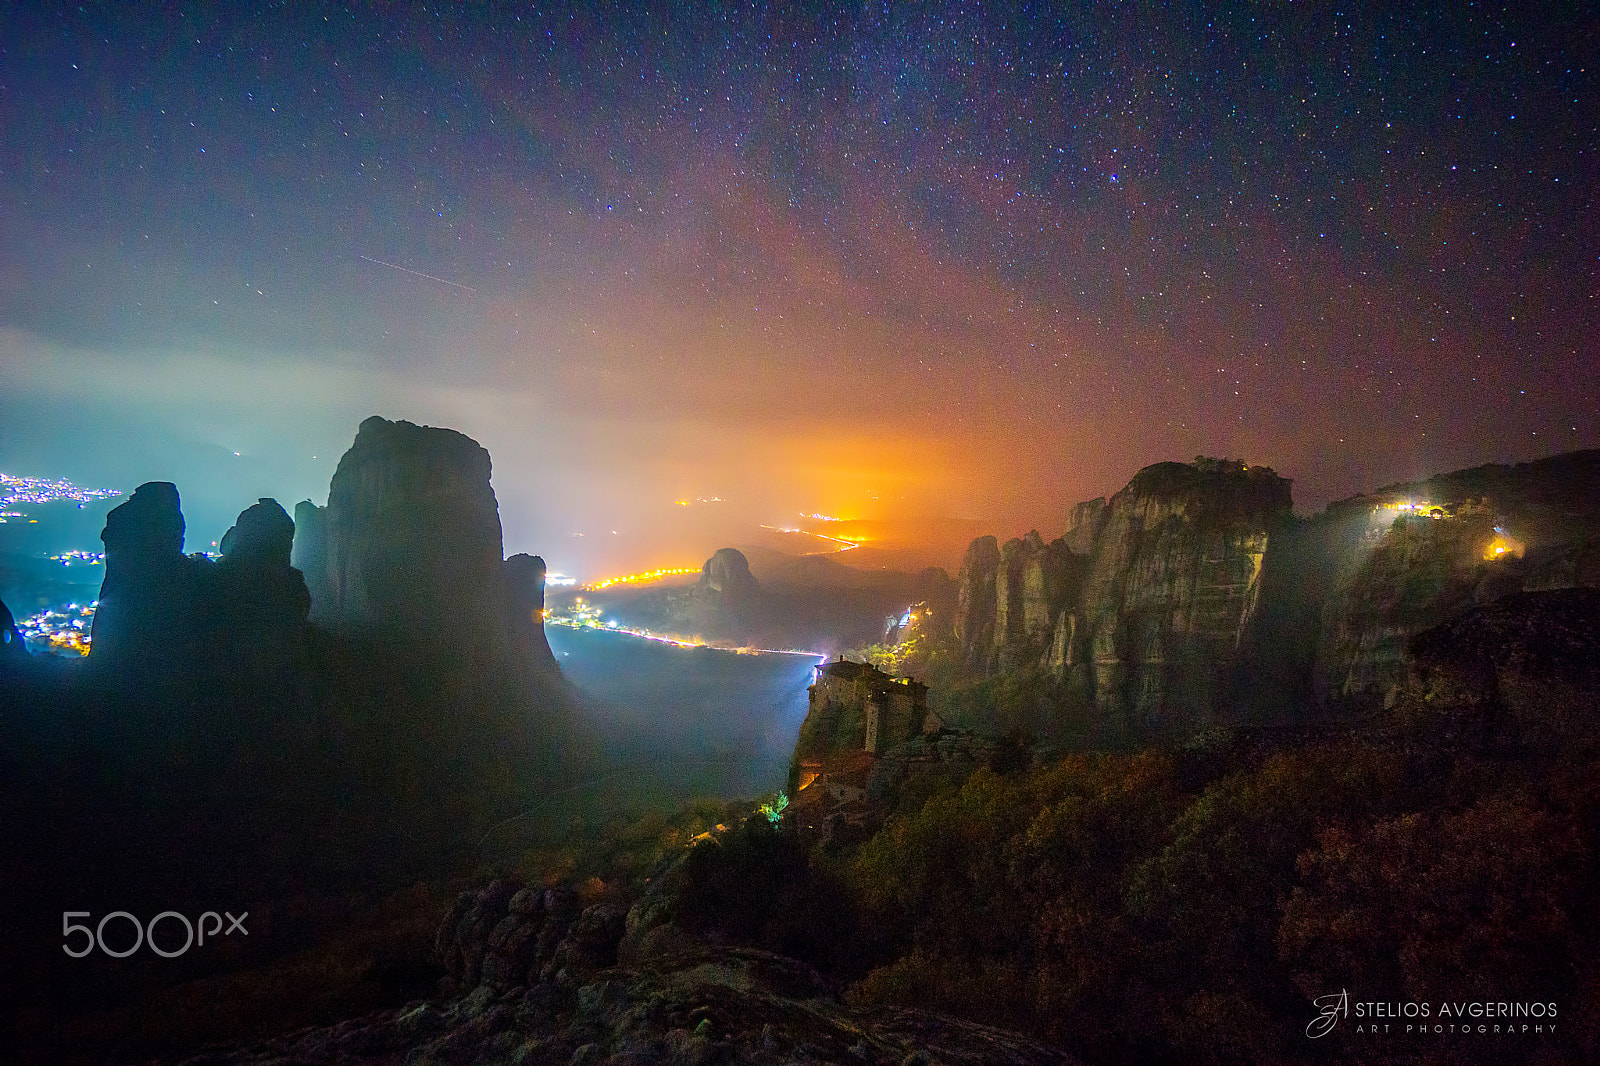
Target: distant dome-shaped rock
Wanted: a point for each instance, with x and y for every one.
(728, 572)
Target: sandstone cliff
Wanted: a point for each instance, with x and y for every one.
(1193, 597)
(410, 538)
(1172, 589)
(1408, 557)
(1140, 610)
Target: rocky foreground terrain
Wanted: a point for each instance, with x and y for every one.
(537, 977)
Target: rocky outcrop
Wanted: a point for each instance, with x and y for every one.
(187, 619)
(706, 1004)
(1011, 598)
(1193, 597)
(1172, 589)
(1518, 674)
(976, 584)
(1409, 557)
(509, 935)
(1035, 584)
(1141, 609)
(309, 553)
(410, 539)
(154, 605)
(1083, 525)
(262, 601)
(262, 536)
(524, 583)
(727, 579)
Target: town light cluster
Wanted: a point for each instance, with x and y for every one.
(36, 490)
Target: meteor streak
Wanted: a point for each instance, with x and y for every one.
(418, 273)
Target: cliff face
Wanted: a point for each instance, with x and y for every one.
(410, 538)
(1173, 586)
(1141, 609)
(1193, 597)
(309, 551)
(524, 582)
(1409, 557)
(976, 585)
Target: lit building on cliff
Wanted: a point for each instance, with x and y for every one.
(856, 713)
(860, 708)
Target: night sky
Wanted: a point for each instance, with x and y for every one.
(902, 261)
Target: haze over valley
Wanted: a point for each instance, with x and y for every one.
(799, 533)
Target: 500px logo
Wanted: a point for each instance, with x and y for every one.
(143, 934)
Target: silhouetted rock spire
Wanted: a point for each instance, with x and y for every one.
(412, 535)
(262, 600)
(151, 602)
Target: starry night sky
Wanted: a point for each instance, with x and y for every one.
(900, 260)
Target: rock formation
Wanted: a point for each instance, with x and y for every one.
(727, 577)
(1193, 597)
(409, 547)
(1035, 584)
(262, 601)
(1408, 557)
(1141, 609)
(410, 538)
(524, 582)
(975, 602)
(309, 554)
(1173, 586)
(153, 603)
(185, 619)
(536, 979)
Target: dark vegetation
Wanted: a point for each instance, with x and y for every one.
(1186, 903)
